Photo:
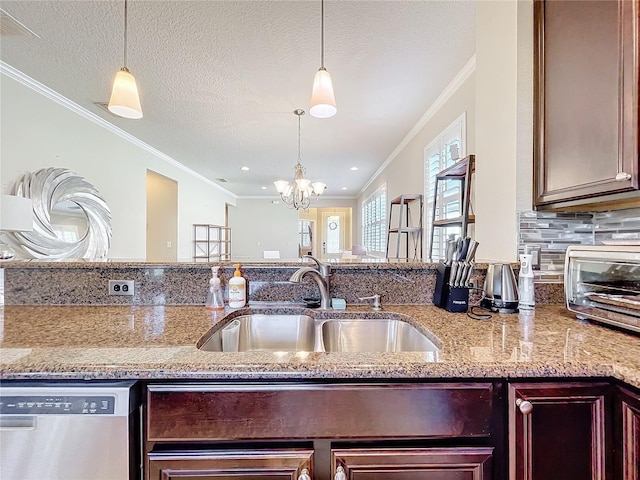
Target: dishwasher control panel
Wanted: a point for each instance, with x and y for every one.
(57, 405)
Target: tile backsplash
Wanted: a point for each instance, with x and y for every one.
(553, 232)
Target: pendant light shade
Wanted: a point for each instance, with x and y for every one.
(124, 100)
(323, 102)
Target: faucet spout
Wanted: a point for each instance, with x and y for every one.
(323, 268)
(298, 276)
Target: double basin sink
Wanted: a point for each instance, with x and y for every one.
(294, 333)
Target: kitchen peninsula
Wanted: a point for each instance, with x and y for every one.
(467, 409)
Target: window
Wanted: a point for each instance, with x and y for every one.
(333, 234)
(305, 234)
(374, 222)
(442, 152)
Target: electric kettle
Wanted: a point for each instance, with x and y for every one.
(500, 291)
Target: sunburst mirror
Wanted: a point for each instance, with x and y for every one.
(70, 218)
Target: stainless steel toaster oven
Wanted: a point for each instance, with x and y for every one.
(602, 283)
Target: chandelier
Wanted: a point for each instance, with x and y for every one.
(301, 192)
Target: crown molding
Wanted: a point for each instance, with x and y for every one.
(446, 94)
(17, 75)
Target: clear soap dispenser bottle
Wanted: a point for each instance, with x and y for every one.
(214, 297)
(526, 293)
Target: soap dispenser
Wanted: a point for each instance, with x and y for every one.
(237, 289)
(214, 297)
(526, 293)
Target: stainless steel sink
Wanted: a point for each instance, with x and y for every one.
(294, 333)
(374, 335)
(259, 332)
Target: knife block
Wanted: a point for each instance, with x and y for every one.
(452, 299)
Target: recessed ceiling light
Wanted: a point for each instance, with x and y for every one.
(354, 168)
(344, 188)
(263, 188)
(244, 168)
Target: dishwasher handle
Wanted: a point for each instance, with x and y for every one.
(18, 422)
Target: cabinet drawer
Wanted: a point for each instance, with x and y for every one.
(217, 412)
(239, 464)
(452, 463)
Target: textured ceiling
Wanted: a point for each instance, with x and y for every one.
(219, 80)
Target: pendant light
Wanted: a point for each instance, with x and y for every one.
(323, 103)
(124, 100)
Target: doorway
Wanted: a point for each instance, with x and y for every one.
(162, 218)
(334, 232)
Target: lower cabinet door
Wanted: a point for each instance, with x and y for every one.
(464, 463)
(560, 430)
(630, 433)
(232, 464)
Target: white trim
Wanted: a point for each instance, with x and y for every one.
(446, 94)
(45, 91)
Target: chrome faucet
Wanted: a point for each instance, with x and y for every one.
(324, 268)
(320, 276)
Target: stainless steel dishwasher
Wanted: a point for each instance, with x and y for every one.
(57, 431)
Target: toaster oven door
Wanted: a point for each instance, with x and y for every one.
(604, 287)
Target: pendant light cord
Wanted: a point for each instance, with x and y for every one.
(299, 115)
(321, 33)
(125, 33)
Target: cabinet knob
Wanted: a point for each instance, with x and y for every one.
(304, 475)
(526, 407)
(622, 176)
(340, 475)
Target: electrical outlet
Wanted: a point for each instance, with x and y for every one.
(121, 287)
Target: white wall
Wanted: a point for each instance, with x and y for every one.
(405, 173)
(498, 101)
(37, 133)
(258, 225)
(504, 124)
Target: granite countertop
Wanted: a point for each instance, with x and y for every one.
(159, 342)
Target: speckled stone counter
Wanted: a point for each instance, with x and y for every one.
(147, 342)
(85, 283)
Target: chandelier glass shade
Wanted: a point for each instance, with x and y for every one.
(323, 102)
(124, 100)
(301, 192)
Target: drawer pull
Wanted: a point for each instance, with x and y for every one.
(526, 407)
(340, 475)
(622, 176)
(304, 475)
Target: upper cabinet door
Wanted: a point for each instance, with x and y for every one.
(586, 99)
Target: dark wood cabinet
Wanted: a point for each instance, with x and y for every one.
(628, 435)
(586, 61)
(471, 463)
(285, 464)
(559, 430)
(228, 430)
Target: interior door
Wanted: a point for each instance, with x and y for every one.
(333, 234)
